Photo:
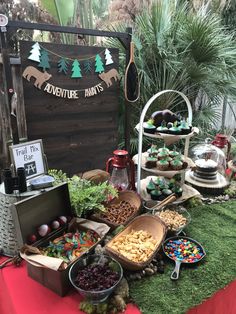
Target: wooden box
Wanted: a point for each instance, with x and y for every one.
(34, 211)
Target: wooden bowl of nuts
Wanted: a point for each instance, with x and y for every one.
(176, 218)
(120, 210)
(137, 244)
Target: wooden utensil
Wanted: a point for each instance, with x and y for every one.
(131, 82)
(169, 199)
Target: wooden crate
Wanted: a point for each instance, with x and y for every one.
(34, 211)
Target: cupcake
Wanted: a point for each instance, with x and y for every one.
(151, 162)
(164, 149)
(164, 186)
(159, 181)
(149, 127)
(174, 154)
(166, 192)
(172, 183)
(184, 127)
(169, 125)
(162, 164)
(156, 195)
(175, 130)
(178, 191)
(151, 186)
(162, 128)
(176, 164)
(153, 151)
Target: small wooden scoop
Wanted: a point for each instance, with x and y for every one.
(131, 81)
(169, 199)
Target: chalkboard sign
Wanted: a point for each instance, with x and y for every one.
(29, 155)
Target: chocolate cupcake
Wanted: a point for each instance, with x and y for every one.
(156, 195)
(162, 129)
(151, 186)
(174, 154)
(163, 164)
(159, 181)
(149, 127)
(176, 164)
(152, 151)
(178, 191)
(175, 130)
(184, 127)
(151, 162)
(166, 192)
(164, 186)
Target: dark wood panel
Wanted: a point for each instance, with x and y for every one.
(78, 134)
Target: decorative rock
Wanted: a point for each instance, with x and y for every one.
(155, 269)
(99, 249)
(149, 271)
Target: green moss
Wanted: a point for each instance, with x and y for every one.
(214, 227)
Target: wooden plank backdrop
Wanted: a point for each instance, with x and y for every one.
(78, 134)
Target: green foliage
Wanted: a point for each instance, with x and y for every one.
(89, 308)
(231, 190)
(85, 196)
(58, 175)
(176, 48)
(49, 5)
(193, 202)
(229, 15)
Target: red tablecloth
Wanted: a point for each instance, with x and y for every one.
(19, 294)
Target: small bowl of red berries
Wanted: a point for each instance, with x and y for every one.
(95, 277)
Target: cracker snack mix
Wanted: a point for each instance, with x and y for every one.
(136, 245)
(172, 219)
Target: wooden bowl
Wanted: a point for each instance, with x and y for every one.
(152, 224)
(130, 197)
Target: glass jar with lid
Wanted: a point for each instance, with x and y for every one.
(207, 155)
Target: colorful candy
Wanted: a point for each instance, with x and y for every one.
(183, 250)
(71, 245)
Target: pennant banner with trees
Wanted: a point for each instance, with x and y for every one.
(43, 59)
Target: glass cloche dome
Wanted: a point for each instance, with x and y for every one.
(207, 155)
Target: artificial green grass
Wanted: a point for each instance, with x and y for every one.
(214, 226)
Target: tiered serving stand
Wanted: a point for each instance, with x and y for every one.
(168, 139)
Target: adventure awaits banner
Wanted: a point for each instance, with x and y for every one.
(48, 64)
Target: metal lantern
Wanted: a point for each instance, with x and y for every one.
(122, 170)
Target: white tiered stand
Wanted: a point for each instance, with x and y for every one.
(139, 127)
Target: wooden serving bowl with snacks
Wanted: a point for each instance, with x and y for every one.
(138, 243)
(120, 210)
